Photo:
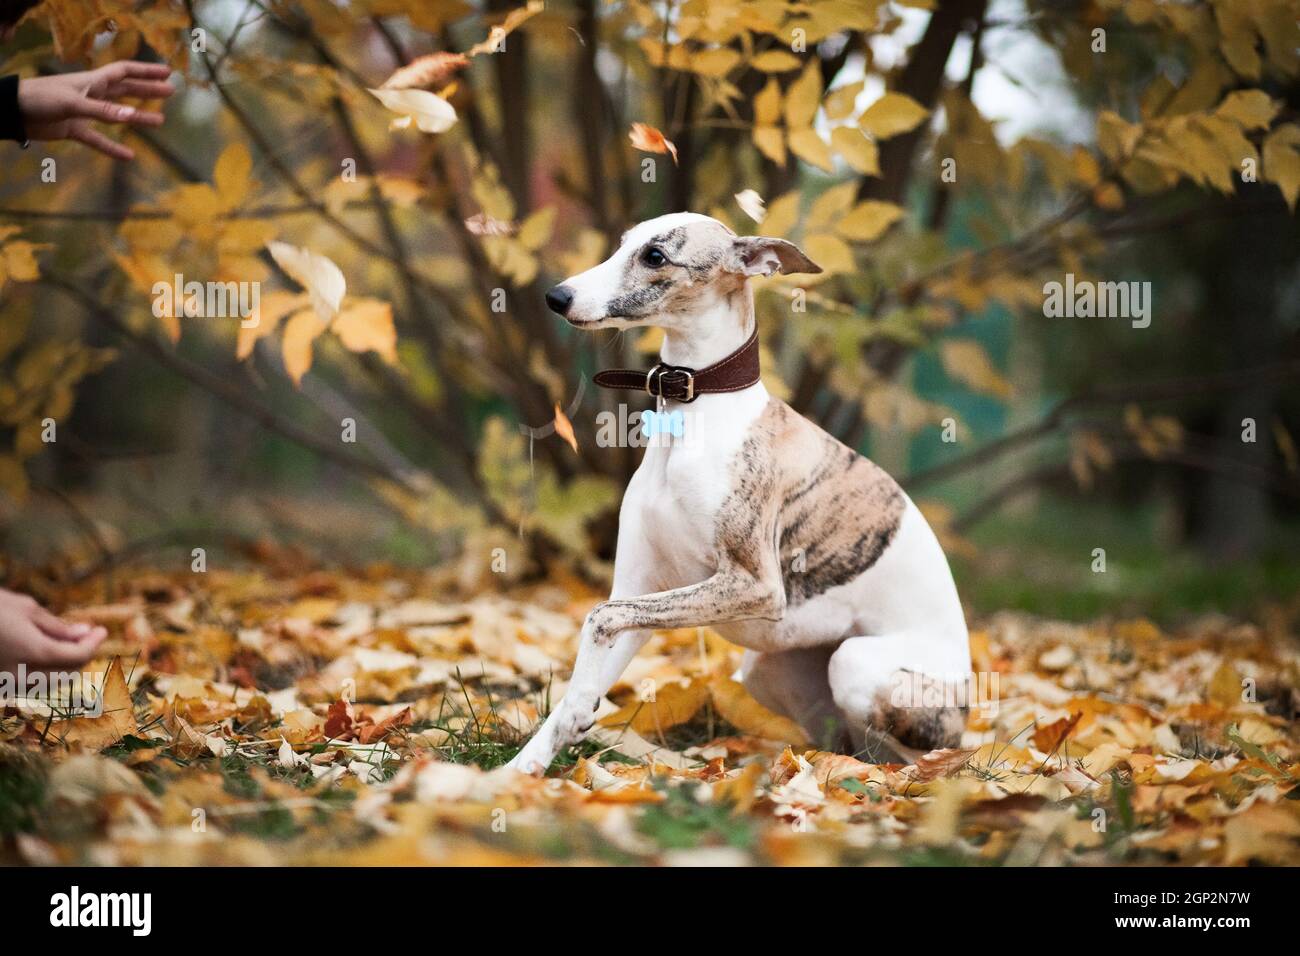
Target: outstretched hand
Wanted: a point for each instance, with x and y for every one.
(33, 636)
(64, 106)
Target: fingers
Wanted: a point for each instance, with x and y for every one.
(54, 653)
(144, 71)
(107, 112)
(59, 629)
(144, 89)
(97, 140)
(133, 69)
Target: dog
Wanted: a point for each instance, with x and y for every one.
(787, 542)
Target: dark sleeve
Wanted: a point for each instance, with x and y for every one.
(11, 121)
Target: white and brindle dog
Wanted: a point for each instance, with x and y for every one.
(760, 524)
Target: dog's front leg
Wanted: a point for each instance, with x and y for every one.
(616, 630)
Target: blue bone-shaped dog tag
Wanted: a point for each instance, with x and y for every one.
(673, 423)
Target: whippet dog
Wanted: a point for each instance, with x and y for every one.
(757, 522)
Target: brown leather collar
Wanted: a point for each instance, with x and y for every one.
(681, 384)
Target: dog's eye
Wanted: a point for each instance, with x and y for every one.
(654, 257)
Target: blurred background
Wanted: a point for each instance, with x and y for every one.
(944, 161)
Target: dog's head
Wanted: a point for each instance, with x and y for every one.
(669, 270)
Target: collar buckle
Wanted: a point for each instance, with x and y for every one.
(656, 385)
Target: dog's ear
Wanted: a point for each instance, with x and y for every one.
(763, 256)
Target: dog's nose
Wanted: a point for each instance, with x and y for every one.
(559, 299)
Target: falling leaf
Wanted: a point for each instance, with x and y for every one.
(424, 72)
(650, 140)
(429, 112)
(513, 20)
(481, 224)
(564, 427)
(751, 203)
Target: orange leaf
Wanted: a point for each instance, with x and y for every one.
(564, 427)
(425, 72)
(650, 140)
(116, 720)
(1048, 739)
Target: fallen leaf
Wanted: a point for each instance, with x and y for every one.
(116, 720)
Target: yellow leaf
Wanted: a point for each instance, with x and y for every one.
(535, 231)
(830, 252)
(859, 152)
(1282, 162)
(771, 143)
(775, 61)
(1250, 109)
(299, 334)
(767, 104)
(321, 278)
(20, 260)
(803, 97)
(231, 176)
(1115, 137)
(716, 62)
(966, 361)
(1087, 171)
(747, 715)
(869, 220)
(840, 103)
(892, 114)
(196, 207)
(808, 146)
(399, 189)
(366, 325)
(272, 307)
(782, 215)
(830, 206)
(673, 704)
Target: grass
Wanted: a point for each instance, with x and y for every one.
(1042, 563)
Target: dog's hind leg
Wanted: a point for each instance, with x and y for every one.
(795, 684)
(900, 700)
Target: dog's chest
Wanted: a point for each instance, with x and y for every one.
(681, 485)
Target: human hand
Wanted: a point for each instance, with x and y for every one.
(63, 106)
(33, 636)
